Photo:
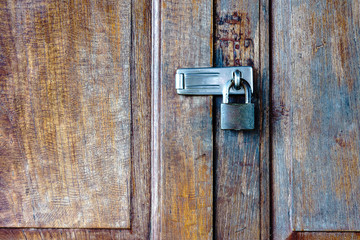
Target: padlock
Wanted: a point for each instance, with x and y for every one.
(237, 116)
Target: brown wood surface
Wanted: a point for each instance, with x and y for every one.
(65, 139)
(182, 125)
(325, 236)
(64, 67)
(62, 234)
(75, 96)
(241, 185)
(32, 234)
(316, 112)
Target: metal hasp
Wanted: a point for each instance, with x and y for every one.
(210, 81)
(222, 81)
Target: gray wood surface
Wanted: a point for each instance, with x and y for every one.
(315, 116)
(242, 158)
(182, 125)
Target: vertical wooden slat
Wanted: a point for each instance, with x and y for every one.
(141, 124)
(280, 118)
(242, 187)
(316, 112)
(264, 118)
(182, 126)
(155, 121)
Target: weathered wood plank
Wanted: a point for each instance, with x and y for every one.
(63, 234)
(91, 44)
(141, 125)
(316, 112)
(325, 236)
(182, 126)
(66, 134)
(242, 187)
(264, 120)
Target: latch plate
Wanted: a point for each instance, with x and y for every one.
(209, 81)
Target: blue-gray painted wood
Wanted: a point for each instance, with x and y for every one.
(315, 113)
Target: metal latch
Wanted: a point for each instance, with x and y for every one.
(210, 81)
(221, 81)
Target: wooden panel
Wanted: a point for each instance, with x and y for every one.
(241, 188)
(325, 236)
(182, 126)
(316, 112)
(64, 234)
(48, 234)
(32, 234)
(86, 98)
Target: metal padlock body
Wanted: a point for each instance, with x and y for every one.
(237, 116)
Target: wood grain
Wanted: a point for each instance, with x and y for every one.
(82, 73)
(182, 126)
(60, 234)
(242, 187)
(34, 234)
(325, 236)
(316, 112)
(66, 133)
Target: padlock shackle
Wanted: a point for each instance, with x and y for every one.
(247, 90)
(229, 84)
(226, 90)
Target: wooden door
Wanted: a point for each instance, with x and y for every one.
(209, 183)
(297, 175)
(96, 144)
(75, 119)
(315, 119)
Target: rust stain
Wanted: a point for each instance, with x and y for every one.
(318, 47)
(234, 39)
(341, 141)
(280, 111)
